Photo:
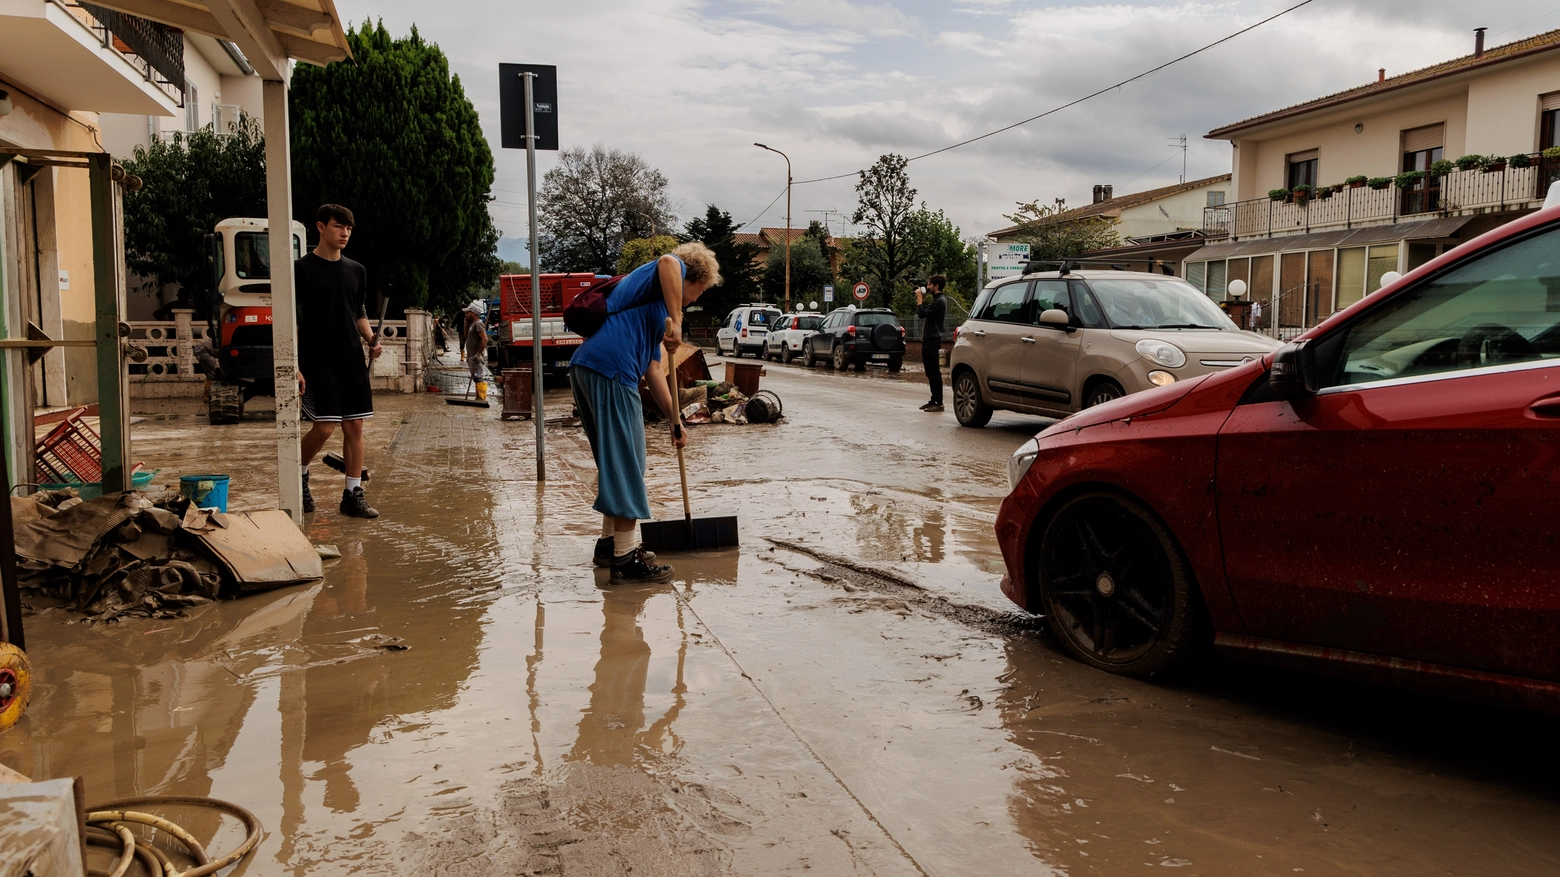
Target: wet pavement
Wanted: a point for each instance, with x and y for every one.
(846, 694)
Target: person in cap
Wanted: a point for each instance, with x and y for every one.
(476, 346)
(605, 372)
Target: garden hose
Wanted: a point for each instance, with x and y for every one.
(109, 819)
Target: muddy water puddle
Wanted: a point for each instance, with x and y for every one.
(464, 693)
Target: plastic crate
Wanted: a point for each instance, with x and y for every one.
(71, 452)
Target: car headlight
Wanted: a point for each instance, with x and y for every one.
(1161, 353)
(1159, 378)
(1019, 463)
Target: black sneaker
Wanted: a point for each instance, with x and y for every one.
(355, 505)
(603, 556)
(308, 498)
(933, 409)
(635, 567)
(925, 405)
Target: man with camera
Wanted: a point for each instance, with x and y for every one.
(933, 311)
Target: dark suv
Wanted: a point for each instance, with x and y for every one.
(852, 336)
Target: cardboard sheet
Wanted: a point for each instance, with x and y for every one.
(263, 550)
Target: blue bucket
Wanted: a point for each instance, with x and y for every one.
(205, 491)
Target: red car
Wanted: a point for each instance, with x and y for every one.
(1380, 497)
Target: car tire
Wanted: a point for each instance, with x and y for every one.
(808, 359)
(968, 407)
(841, 363)
(1115, 587)
(1103, 392)
(785, 354)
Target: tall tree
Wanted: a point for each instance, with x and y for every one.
(809, 268)
(191, 183)
(641, 250)
(888, 246)
(738, 268)
(1051, 235)
(592, 203)
(392, 136)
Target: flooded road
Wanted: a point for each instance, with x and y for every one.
(848, 693)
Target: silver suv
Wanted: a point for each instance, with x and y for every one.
(1051, 343)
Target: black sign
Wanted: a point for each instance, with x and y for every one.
(511, 103)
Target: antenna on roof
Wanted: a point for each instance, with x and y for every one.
(1180, 143)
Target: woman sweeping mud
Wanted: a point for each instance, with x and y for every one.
(605, 373)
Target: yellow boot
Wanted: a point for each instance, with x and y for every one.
(481, 391)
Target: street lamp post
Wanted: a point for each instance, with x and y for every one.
(787, 220)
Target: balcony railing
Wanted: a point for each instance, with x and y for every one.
(155, 49)
(1458, 191)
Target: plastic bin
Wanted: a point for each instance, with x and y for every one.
(93, 489)
(205, 491)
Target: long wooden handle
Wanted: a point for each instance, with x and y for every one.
(677, 425)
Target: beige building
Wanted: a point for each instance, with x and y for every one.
(1309, 252)
(1142, 215)
(219, 83)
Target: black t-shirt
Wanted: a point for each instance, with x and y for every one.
(933, 311)
(332, 297)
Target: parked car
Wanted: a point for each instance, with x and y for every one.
(857, 337)
(745, 329)
(1058, 341)
(1375, 498)
(785, 338)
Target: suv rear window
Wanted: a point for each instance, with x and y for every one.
(876, 319)
(763, 318)
(808, 322)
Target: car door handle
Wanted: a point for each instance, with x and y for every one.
(1027, 340)
(979, 333)
(1548, 406)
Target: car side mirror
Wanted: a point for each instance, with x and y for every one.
(1293, 375)
(1056, 318)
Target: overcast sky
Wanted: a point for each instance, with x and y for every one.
(690, 85)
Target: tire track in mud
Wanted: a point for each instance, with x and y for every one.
(851, 575)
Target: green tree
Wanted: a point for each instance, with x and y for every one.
(592, 203)
(191, 183)
(809, 268)
(392, 135)
(888, 247)
(1051, 235)
(738, 267)
(641, 250)
(946, 253)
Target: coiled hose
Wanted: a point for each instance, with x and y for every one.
(106, 828)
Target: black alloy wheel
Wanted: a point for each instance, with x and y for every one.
(967, 404)
(1103, 392)
(1115, 588)
(840, 362)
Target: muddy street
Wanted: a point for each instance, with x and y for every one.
(847, 693)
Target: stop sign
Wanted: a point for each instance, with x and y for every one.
(860, 291)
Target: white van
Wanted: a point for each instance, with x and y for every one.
(746, 328)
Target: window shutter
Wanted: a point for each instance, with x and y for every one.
(1308, 155)
(1428, 137)
(1217, 289)
(1550, 101)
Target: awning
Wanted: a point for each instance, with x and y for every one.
(268, 32)
(1424, 229)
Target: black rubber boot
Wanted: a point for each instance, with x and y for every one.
(355, 505)
(308, 498)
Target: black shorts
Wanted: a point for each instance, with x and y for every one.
(334, 394)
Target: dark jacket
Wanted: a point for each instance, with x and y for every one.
(934, 311)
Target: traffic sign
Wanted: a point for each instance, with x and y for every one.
(861, 291)
(828, 292)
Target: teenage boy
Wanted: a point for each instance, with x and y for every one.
(332, 376)
(934, 312)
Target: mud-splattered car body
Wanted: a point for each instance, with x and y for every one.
(1394, 524)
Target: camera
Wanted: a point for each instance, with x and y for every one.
(918, 282)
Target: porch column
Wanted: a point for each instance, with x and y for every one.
(113, 422)
(185, 337)
(284, 318)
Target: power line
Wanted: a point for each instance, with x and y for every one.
(1080, 100)
(762, 212)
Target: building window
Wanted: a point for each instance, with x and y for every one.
(1382, 258)
(1216, 198)
(191, 107)
(1301, 170)
(1549, 134)
(1421, 148)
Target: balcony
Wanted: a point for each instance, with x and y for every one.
(1459, 193)
(86, 58)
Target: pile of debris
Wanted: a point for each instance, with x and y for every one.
(150, 555)
(722, 402)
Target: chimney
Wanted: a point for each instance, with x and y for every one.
(1478, 42)
(1102, 193)
(1381, 74)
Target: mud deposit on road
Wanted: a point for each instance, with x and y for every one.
(845, 694)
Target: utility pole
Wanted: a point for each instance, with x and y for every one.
(787, 221)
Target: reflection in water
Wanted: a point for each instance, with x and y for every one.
(612, 730)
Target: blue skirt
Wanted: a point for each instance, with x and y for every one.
(614, 421)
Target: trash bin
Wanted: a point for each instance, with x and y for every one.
(519, 400)
(205, 491)
(745, 376)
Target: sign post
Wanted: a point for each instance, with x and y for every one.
(538, 118)
(828, 293)
(861, 291)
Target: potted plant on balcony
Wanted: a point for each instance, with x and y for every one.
(1325, 192)
(1469, 162)
(1493, 164)
(1356, 182)
(1551, 154)
(1441, 167)
(1302, 193)
(1520, 160)
(1408, 179)
(1278, 194)
(1379, 183)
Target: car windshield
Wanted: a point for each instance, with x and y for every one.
(1135, 303)
(252, 255)
(808, 322)
(875, 319)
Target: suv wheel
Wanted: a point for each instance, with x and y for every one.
(808, 359)
(785, 354)
(1115, 588)
(967, 404)
(840, 362)
(1103, 392)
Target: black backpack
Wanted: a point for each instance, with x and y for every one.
(588, 312)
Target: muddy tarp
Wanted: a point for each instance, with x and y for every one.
(261, 550)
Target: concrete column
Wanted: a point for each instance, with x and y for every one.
(113, 420)
(284, 316)
(186, 340)
(416, 346)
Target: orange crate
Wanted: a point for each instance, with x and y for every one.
(70, 452)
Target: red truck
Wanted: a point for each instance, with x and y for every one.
(512, 331)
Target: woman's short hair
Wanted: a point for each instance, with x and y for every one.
(701, 263)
